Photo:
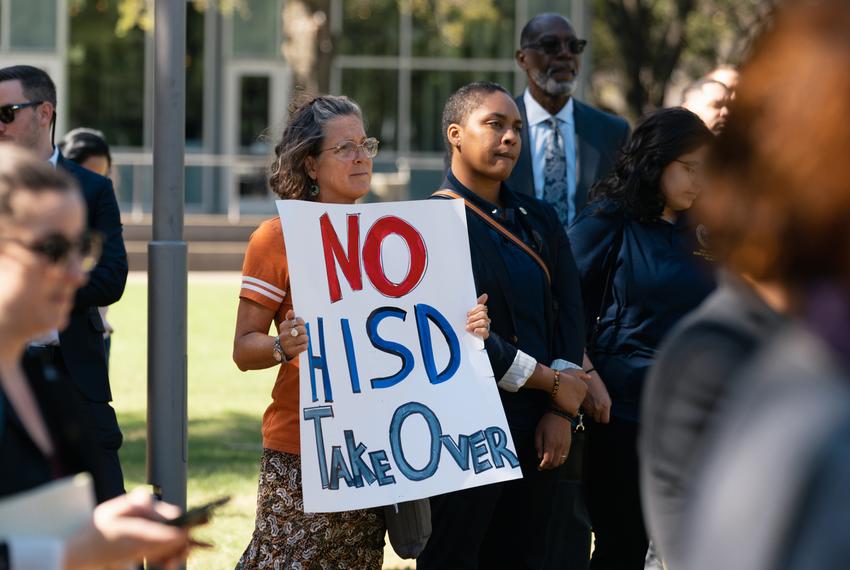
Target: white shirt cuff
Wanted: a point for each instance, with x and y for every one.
(35, 553)
(561, 364)
(519, 372)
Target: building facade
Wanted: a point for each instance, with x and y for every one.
(400, 59)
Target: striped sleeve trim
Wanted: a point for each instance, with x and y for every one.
(264, 285)
(261, 291)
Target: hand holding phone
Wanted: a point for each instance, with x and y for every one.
(199, 515)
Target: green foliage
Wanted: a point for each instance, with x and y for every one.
(640, 46)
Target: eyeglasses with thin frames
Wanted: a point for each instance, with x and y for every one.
(58, 250)
(551, 45)
(347, 150)
(9, 112)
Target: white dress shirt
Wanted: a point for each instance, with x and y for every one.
(539, 132)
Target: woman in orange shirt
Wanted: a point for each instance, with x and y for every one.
(324, 155)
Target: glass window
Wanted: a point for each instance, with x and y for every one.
(254, 185)
(473, 28)
(376, 91)
(33, 25)
(430, 91)
(254, 106)
(194, 76)
(105, 74)
(370, 27)
(257, 28)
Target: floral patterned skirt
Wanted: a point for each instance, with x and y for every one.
(285, 537)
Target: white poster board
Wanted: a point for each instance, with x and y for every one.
(398, 401)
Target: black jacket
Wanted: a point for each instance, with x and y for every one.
(658, 276)
(83, 349)
(545, 326)
(22, 465)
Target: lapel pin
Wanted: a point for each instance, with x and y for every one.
(524, 213)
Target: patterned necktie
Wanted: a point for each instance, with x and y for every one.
(555, 188)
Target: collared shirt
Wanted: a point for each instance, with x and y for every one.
(50, 338)
(539, 131)
(54, 158)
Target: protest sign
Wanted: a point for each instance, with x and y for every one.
(397, 401)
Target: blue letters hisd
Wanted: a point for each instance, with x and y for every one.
(424, 315)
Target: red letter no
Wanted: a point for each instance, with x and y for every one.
(350, 263)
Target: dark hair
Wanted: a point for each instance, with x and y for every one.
(779, 200)
(22, 171)
(303, 137)
(531, 27)
(81, 144)
(699, 84)
(660, 138)
(35, 83)
(463, 102)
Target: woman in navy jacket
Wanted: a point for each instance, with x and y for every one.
(522, 260)
(642, 268)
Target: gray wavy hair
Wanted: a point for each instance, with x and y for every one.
(303, 137)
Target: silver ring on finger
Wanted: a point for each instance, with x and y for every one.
(293, 332)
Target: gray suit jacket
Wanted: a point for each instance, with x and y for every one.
(600, 136)
(772, 493)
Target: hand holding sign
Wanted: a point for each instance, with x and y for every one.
(477, 321)
(292, 333)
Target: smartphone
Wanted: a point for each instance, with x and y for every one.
(198, 515)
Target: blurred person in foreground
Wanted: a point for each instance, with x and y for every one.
(45, 251)
(89, 149)
(28, 119)
(324, 156)
(709, 99)
(773, 491)
(694, 375)
(521, 260)
(642, 268)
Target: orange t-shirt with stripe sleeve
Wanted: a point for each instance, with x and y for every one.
(265, 280)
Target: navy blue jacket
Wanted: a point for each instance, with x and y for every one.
(527, 313)
(599, 138)
(660, 273)
(82, 345)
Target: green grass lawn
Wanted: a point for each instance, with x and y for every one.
(225, 411)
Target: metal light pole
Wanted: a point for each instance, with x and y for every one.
(167, 269)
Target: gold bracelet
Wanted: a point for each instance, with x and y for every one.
(557, 385)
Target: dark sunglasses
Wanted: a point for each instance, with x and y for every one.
(8, 112)
(58, 249)
(551, 46)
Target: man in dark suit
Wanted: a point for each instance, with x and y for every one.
(549, 54)
(27, 118)
(566, 147)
